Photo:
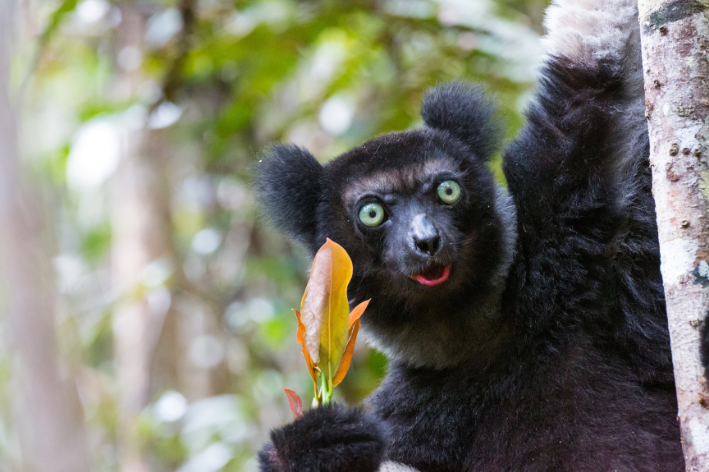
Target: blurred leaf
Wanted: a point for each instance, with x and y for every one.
(99, 346)
(274, 332)
(295, 403)
(169, 450)
(67, 6)
(97, 242)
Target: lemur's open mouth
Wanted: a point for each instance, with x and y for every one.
(434, 275)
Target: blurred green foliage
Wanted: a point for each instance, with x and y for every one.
(255, 72)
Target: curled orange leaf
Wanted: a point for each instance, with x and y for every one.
(352, 337)
(357, 312)
(299, 337)
(347, 356)
(301, 328)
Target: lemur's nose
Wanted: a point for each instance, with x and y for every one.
(425, 235)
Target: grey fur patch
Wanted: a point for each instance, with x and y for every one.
(452, 341)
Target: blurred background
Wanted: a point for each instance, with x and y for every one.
(146, 308)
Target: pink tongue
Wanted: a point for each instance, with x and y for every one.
(423, 280)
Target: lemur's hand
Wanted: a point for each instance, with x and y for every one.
(331, 438)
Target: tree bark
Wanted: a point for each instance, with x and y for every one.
(675, 43)
(49, 415)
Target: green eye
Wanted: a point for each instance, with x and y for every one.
(449, 191)
(371, 214)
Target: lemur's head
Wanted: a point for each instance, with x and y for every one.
(418, 212)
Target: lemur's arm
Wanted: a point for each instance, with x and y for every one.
(578, 175)
(586, 118)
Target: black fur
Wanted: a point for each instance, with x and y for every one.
(290, 181)
(547, 348)
(466, 113)
(352, 441)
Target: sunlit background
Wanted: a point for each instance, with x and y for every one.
(141, 122)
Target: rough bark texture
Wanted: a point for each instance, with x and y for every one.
(48, 412)
(675, 41)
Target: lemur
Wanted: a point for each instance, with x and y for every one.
(525, 328)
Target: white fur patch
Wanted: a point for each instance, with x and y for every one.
(390, 466)
(586, 31)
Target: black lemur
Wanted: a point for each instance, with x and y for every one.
(526, 328)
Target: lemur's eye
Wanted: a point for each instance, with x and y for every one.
(371, 214)
(449, 191)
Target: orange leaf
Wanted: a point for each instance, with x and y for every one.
(358, 310)
(311, 366)
(306, 355)
(324, 308)
(347, 355)
(295, 403)
(299, 336)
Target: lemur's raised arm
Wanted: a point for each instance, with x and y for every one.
(580, 177)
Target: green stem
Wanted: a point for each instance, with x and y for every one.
(318, 397)
(323, 390)
(320, 389)
(329, 390)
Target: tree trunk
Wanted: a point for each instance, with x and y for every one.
(675, 43)
(49, 415)
(141, 245)
(141, 256)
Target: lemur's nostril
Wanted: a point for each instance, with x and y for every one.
(429, 245)
(425, 235)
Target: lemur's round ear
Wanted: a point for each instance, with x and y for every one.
(288, 189)
(466, 113)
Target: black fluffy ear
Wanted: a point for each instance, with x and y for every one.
(466, 113)
(288, 188)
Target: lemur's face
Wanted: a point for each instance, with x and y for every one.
(416, 215)
(408, 222)
(408, 215)
(415, 210)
